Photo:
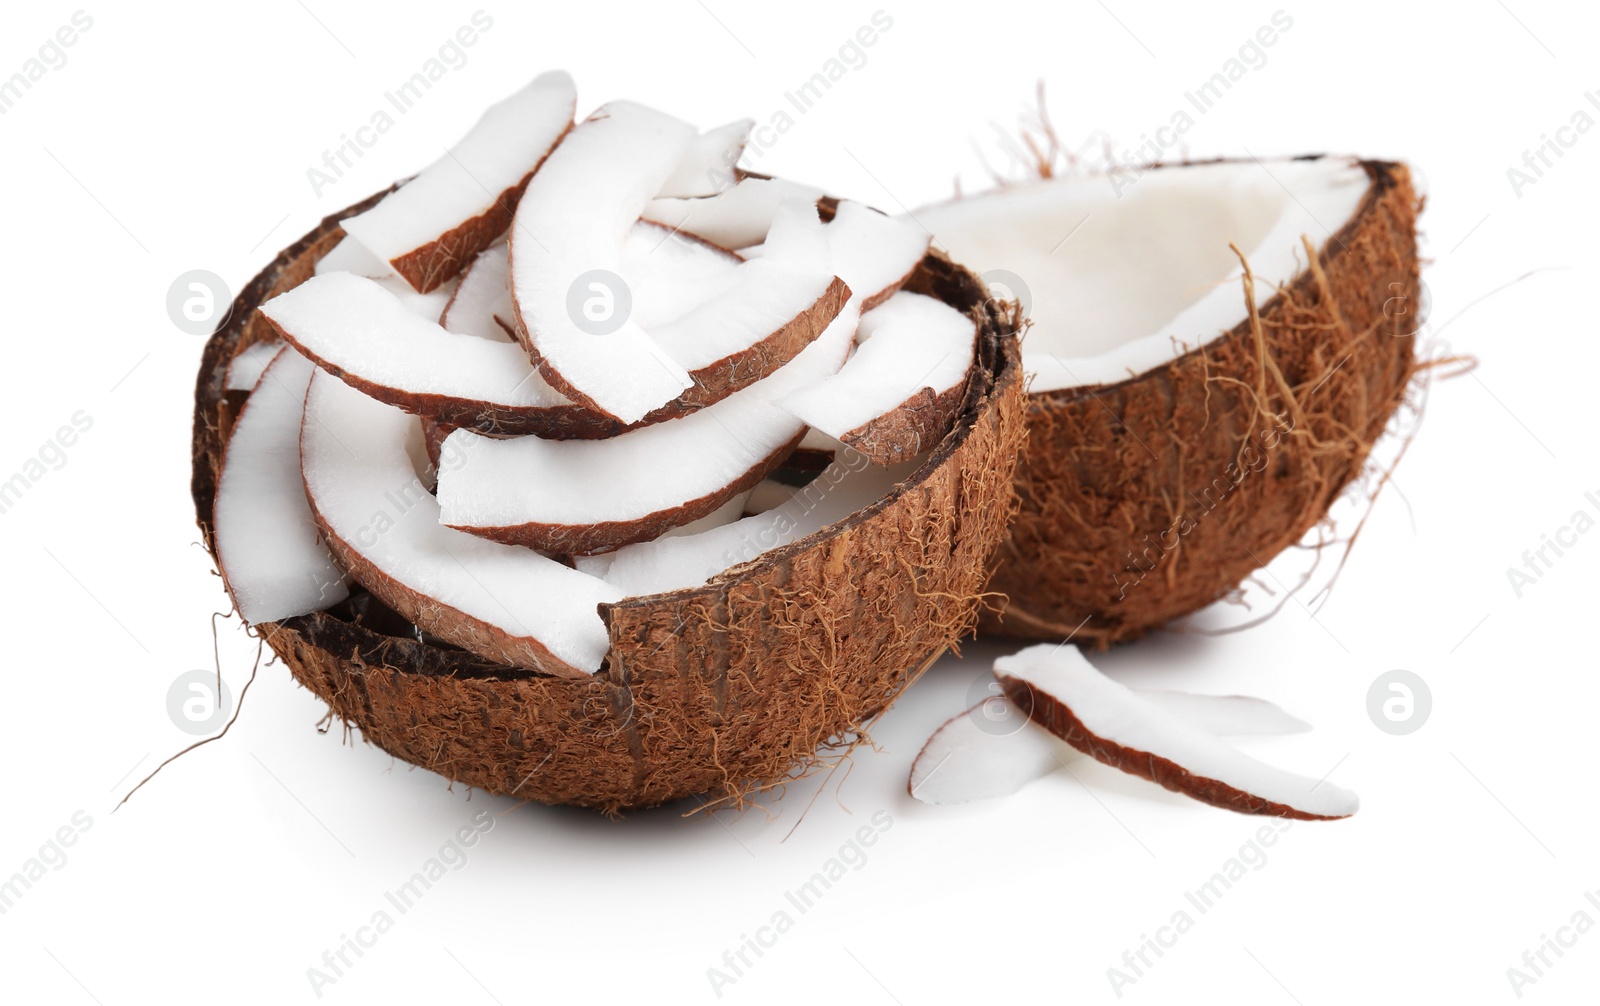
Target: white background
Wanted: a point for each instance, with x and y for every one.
(178, 137)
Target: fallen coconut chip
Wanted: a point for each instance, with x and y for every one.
(245, 369)
(350, 255)
(432, 226)
(573, 299)
(1056, 687)
(573, 497)
(707, 167)
(269, 550)
(685, 561)
(735, 218)
(898, 394)
(991, 750)
(506, 604)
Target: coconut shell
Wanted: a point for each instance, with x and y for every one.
(1131, 512)
(723, 690)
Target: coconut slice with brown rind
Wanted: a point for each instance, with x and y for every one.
(992, 750)
(736, 217)
(431, 227)
(246, 369)
(899, 392)
(503, 603)
(273, 560)
(1056, 687)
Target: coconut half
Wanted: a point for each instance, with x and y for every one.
(1058, 688)
(993, 749)
(1188, 421)
(716, 690)
(428, 229)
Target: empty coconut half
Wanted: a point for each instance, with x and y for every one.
(1188, 420)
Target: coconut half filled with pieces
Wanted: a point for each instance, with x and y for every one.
(538, 552)
(1214, 349)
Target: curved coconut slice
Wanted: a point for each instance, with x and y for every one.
(568, 249)
(735, 218)
(874, 253)
(481, 305)
(577, 496)
(268, 548)
(1054, 686)
(899, 393)
(506, 604)
(360, 332)
(707, 167)
(1123, 282)
(350, 255)
(964, 761)
(432, 226)
(690, 560)
(246, 369)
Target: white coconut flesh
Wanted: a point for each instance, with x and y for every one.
(909, 343)
(991, 751)
(356, 328)
(1112, 713)
(1122, 284)
(481, 305)
(707, 166)
(570, 245)
(268, 545)
(362, 484)
(246, 368)
(428, 306)
(872, 252)
(656, 476)
(487, 165)
(737, 217)
(350, 255)
(685, 561)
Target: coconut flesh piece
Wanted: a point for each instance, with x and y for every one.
(707, 166)
(350, 255)
(1120, 284)
(1057, 688)
(899, 392)
(874, 253)
(576, 496)
(974, 756)
(245, 369)
(430, 228)
(481, 305)
(737, 217)
(567, 247)
(503, 603)
(679, 562)
(271, 554)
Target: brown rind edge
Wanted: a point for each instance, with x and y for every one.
(726, 690)
(1054, 715)
(1111, 466)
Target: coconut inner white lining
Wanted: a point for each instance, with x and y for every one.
(1122, 283)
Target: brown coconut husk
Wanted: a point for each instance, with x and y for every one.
(1117, 473)
(723, 690)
